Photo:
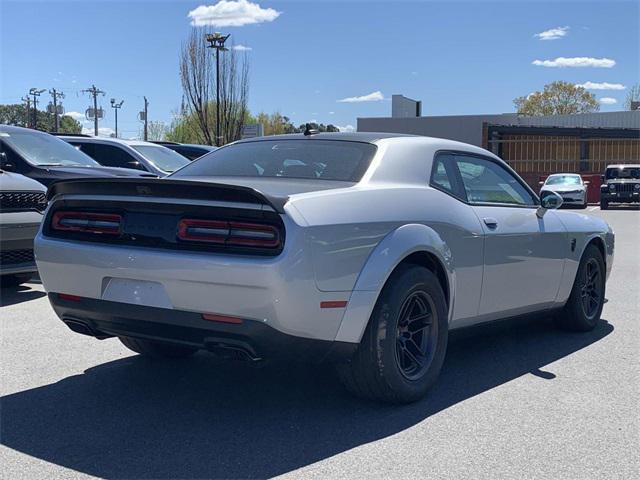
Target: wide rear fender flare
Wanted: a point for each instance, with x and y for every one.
(388, 254)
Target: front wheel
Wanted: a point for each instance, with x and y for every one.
(404, 345)
(584, 307)
(156, 349)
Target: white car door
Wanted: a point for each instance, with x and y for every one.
(524, 254)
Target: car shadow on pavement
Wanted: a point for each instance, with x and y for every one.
(204, 418)
(19, 294)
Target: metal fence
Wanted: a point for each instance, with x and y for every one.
(557, 154)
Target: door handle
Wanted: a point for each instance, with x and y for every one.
(490, 222)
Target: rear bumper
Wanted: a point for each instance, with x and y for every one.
(251, 339)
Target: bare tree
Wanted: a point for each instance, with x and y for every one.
(198, 77)
(633, 95)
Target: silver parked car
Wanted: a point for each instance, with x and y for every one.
(22, 202)
(569, 186)
(136, 154)
(361, 249)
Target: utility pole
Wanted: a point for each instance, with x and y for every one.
(116, 106)
(36, 93)
(27, 120)
(55, 95)
(94, 92)
(216, 41)
(146, 118)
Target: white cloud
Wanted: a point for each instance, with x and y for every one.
(242, 48)
(602, 86)
(231, 13)
(372, 97)
(331, 113)
(562, 62)
(346, 128)
(102, 131)
(75, 115)
(608, 101)
(553, 33)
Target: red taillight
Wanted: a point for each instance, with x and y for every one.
(215, 317)
(87, 222)
(69, 298)
(229, 233)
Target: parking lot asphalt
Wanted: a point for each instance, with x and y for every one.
(517, 399)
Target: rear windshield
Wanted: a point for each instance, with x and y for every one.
(310, 159)
(623, 173)
(163, 158)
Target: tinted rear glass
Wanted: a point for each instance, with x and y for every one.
(629, 172)
(310, 159)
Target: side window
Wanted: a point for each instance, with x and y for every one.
(443, 175)
(111, 156)
(487, 182)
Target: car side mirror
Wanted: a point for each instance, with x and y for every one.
(541, 183)
(134, 164)
(586, 182)
(5, 164)
(548, 201)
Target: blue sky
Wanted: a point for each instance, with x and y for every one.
(457, 57)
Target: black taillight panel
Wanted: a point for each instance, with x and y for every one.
(168, 226)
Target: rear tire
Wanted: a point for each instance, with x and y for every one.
(401, 353)
(584, 307)
(153, 349)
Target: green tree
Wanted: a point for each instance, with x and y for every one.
(557, 98)
(16, 114)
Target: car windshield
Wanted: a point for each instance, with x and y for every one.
(163, 158)
(563, 180)
(623, 173)
(304, 159)
(46, 150)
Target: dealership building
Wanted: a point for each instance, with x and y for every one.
(534, 146)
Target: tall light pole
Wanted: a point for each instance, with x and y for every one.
(36, 93)
(216, 41)
(116, 106)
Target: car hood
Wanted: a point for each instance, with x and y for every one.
(100, 171)
(562, 188)
(275, 187)
(15, 182)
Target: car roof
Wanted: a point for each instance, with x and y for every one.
(13, 128)
(366, 137)
(624, 165)
(120, 141)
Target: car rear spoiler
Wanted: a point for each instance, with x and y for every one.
(166, 188)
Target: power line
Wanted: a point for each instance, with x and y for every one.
(94, 92)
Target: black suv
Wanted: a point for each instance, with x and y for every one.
(45, 158)
(620, 184)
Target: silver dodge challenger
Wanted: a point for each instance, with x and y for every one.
(360, 249)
